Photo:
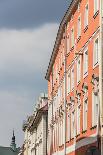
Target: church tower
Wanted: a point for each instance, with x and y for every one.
(13, 144)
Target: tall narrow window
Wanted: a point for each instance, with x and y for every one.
(95, 109)
(72, 38)
(78, 6)
(96, 6)
(63, 55)
(85, 112)
(85, 64)
(72, 77)
(68, 44)
(56, 71)
(78, 115)
(86, 16)
(79, 27)
(61, 59)
(78, 70)
(96, 51)
(68, 127)
(68, 82)
(59, 63)
(72, 124)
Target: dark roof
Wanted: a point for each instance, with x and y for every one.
(8, 151)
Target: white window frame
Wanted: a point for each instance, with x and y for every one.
(61, 57)
(72, 78)
(85, 62)
(78, 115)
(63, 54)
(79, 6)
(72, 124)
(95, 52)
(79, 27)
(86, 15)
(85, 113)
(68, 82)
(69, 125)
(68, 44)
(96, 6)
(78, 69)
(56, 71)
(95, 106)
(72, 37)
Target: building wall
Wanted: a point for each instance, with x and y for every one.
(82, 93)
(35, 129)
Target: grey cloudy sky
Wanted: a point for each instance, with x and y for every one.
(30, 13)
(27, 33)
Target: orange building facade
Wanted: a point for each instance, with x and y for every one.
(73, 82)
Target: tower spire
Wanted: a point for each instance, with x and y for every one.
(13, 144)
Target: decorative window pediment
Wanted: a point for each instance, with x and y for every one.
(78, 93)
(95, 83)
(84, 88)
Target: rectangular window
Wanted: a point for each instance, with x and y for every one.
(56, 71)
(51, 84)
(96, 6)
(85, 114)
(61, 57)
(78, 120)
(63, 91)
(72, 124)
(68, 44)
(85, 64)
(72, 38)
(78, 70)
(68, 127)
(79, 27)
(86, 16)
(59, 63)
(68, 82)
(96, 51)
(72, 78)
(95, 109)
(78, 115)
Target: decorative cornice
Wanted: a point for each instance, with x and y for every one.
(60, 35)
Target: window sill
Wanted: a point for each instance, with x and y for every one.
(77, 135)
(71, 139)
(84, 131)
(78, 82)
(95, 65)
(96, 14)
(68, 54)
(72, 48)
(93, 127)
(86, 28)
(78, 39)
(72, 89)
(68, 93)
(85, 75)
(61, 145)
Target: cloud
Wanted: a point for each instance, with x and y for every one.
(24, 57)
(29, 13)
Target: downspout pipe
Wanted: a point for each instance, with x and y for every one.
(101, 75)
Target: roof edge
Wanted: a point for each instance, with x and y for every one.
(59, 36)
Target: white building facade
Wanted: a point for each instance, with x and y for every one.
(35, 129)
